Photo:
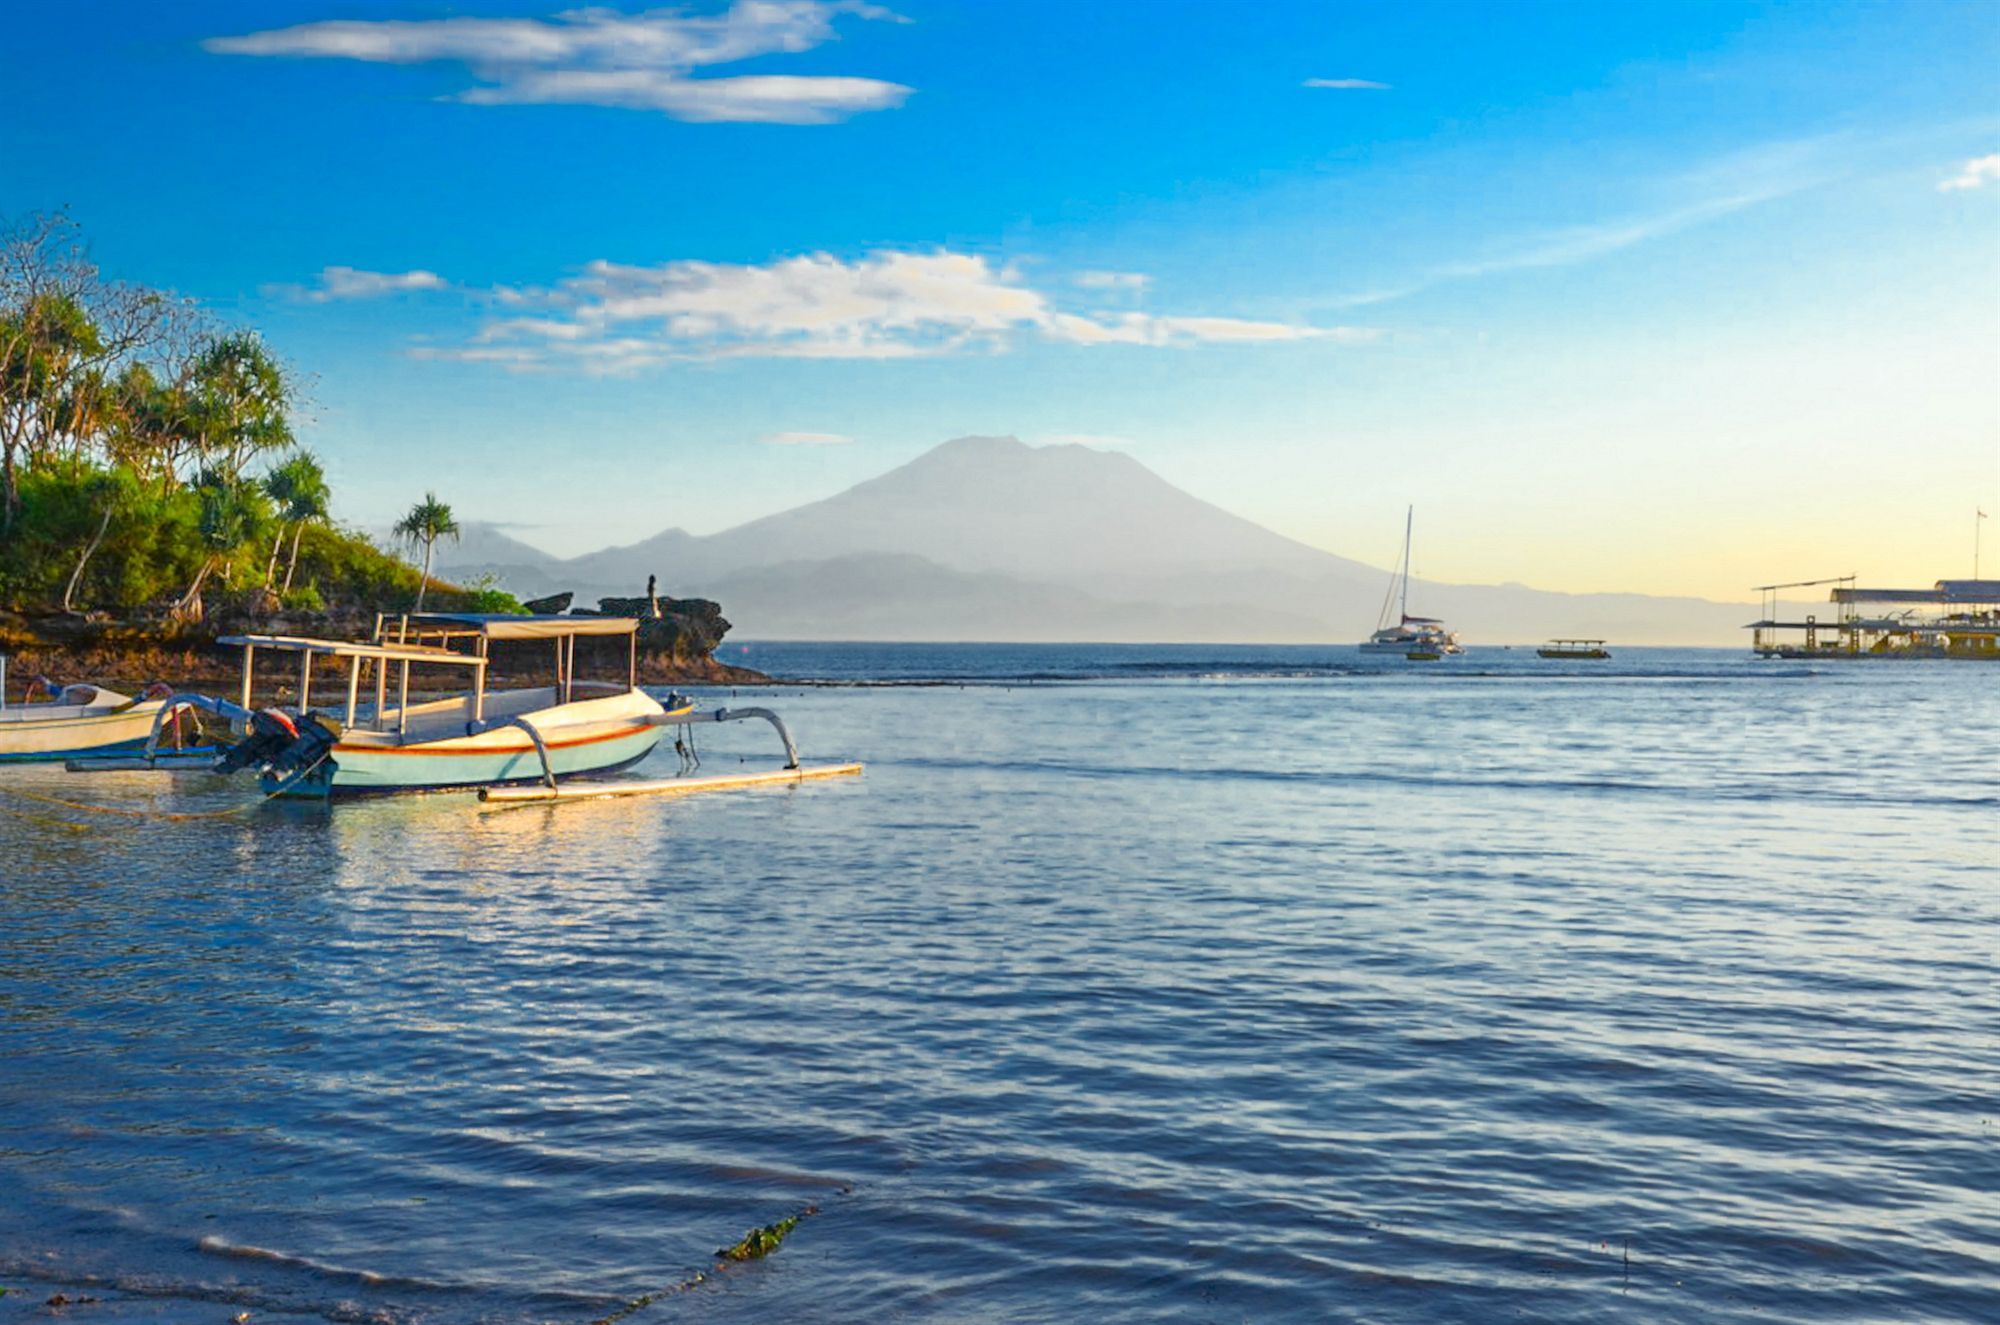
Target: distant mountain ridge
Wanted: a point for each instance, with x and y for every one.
(988, 538)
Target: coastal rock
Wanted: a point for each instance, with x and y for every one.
(686, 628)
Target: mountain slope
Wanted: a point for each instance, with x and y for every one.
(986, 538)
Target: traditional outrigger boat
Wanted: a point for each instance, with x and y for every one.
(1589, 649)
(476, 738)
(78, 720)
(510, 745)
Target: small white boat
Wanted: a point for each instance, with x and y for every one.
(477, 738)
(1418, 638)
(77, 720)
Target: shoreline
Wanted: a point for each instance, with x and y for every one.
(129, 657)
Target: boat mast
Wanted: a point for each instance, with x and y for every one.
(1409, 517)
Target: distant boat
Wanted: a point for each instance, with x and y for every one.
(1418, 638)
(1575, 648)
(76, 720)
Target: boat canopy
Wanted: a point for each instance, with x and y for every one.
(494, 626)
(416, 653)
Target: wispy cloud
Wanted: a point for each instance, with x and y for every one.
(601, 57)
(1135, 282)
(1980, 170)
(353, 283)
(806, 439)
(1347, 84)
(618, 318)
(1721, 188)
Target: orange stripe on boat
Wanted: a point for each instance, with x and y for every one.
(527, 747)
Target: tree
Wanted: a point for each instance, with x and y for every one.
(299, 487)
(232, 514)
(106, 488)
(240, 400)
(65, 332)
(428, 521)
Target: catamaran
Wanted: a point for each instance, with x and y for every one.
(1415, 637)
(475, 738)
(78, 720)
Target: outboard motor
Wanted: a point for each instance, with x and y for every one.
(314, 740)
(278, 743)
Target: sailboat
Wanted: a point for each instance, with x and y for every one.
(1415, 637)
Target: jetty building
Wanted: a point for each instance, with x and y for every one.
(1951, 619)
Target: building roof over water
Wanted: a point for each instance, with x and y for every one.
(1944, 591)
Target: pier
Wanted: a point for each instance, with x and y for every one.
(1957, 619)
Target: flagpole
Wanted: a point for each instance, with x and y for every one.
(1977, 524)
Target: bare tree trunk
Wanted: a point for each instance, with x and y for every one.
(69, 590)
(271, 566)
(189, 607)
(293, 565)
(10, 498)
(425, 582)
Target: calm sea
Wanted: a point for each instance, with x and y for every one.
(1129, 984)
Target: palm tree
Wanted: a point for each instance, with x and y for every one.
(428, 521)
(299, 487)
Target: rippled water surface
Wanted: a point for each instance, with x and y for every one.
(1127, 984)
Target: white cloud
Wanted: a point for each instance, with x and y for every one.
(1144, 329)
(353, 283)
(1348, 84)
(601, 57)
(616, 317)
(1978, 171)
(806, 439)
(1134, 281)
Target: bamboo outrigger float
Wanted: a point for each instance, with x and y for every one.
(478, 739)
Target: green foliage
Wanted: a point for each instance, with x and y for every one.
(157, 542)
(759, 1241)
(493, 601)
(304, 598)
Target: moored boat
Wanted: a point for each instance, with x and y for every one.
(475, 738)
(1418, 638)
(76, 720)
(1589, 649)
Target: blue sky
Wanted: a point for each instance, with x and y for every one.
(1672, 297)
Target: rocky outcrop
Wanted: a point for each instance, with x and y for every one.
(684, 629)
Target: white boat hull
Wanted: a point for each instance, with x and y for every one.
(62, 731)
(584, 737)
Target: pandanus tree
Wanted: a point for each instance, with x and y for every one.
(239, 401)
(233, 512)
(428, 521)
(299, 488)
